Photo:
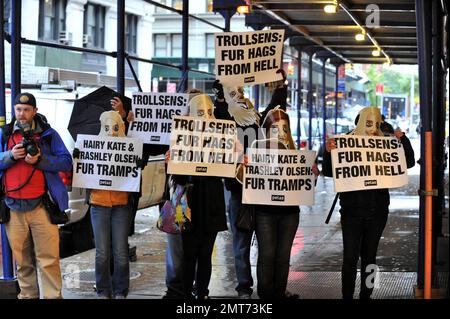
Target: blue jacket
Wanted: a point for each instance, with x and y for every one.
(54, 158)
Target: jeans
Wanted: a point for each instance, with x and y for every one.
(111, 226)
(174, 266)
(361, 236)
(241, 247)
(275, 233)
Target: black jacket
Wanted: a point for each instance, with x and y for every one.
(279, 97)
(364, 200)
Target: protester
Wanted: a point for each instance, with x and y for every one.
(385, 127)
(275, 225)
(230, 104)
(364, 213)
(279, 94)
(32, 154)
(207, 205)
(110, 217)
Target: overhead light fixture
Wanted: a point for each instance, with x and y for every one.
(387, 63)
(376, 52)
(360, 36)
(243, 9)
(331, 8)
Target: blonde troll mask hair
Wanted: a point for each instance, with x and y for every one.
(111, 121)
(201, 102)
(371, 114)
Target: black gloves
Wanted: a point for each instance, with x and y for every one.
(139, 163)
(218, 90)
(76, 153)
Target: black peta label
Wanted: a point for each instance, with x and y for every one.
(201, 169)
(249, 79)
(370, 182)
(278, 198)
(105, 182)
(155, 138)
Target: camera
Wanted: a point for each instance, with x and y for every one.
(28, 142)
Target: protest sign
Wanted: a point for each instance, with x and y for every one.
(368, 162)
(202, 147)
(279, 177)
(107, 163)
(248, 58)
(153, 114)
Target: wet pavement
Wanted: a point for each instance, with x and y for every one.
(315, 259)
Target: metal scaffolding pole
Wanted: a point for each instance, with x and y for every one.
(324, 103)
(299, 94)
(2, 68)
(16, 31)
(310, 96)
(184, 48)
(336, 98)
(120, 78)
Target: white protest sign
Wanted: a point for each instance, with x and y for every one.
(368, 162)
(248, 58)
(202, 147)
(153, 114)
(279, 177)
(107, 163)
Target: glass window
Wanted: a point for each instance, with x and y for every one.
(94, 25)
(177, 4)
(52, 19)
(131, 33)
(176, 45)
(160, 42)
(209, 5)
(210, 51)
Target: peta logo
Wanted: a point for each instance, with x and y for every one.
(278, 198)
(370, 182)
(201, 169)
(249, 79)
(155, 138)
(105, 182)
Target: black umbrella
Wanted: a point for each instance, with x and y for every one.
(85, 118)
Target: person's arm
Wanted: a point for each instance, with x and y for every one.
(327, 168)
(409, 152)
(58, 159)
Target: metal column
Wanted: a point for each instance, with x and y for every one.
(2, 68)
(299, 94)
(423, 12)
(336, 98)
(120, 80)
(184, 48)
(324, 104)
(310, 96)
(16, 31)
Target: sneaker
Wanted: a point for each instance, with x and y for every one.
(244, 295)
(120, 297)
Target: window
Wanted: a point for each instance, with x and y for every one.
(176, 4)
(7, 14)
(209, 5)
(176, 46)
(210, 51)
(131, 22)
(94, 26)
(52, 19)
(160, 41)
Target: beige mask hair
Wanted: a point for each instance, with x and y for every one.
(201, 102)
(111, 119)
(368, 114)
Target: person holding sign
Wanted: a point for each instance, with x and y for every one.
(231, 104)
(110, 217)
(207, 204)
(364, 213)
(279, 94)
(275, 225)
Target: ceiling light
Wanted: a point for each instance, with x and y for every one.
(331, 8)
(360, 36)
(243, 9)
(376, 52)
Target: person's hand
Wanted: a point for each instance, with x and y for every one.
(218, 90)
(331, 144)
(398, 133)
(18, 152)
(76, 153)
(315, 169)
(117, 105)
(245, 160)
(139, 162)
(33, 159)
(167, 158)
(130, 117)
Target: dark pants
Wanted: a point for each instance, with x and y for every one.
(275, 233)
(361, 235)
(197, 251)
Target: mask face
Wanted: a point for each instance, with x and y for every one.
(237, 95)
(204, 111)
(110, 127)
(280, 130)
(372, 125)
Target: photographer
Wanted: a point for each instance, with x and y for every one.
(31, 155)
